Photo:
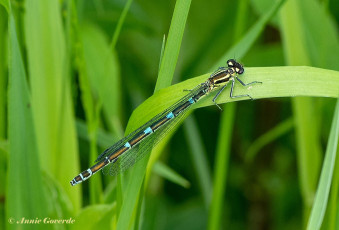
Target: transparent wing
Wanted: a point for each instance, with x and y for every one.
(130, 136)
(132, 156)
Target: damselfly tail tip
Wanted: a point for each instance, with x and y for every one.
(74, 182)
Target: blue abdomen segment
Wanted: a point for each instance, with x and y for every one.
(127, 145)
(148, 130)
(170, 115)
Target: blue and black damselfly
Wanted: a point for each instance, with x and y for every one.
(134, 146)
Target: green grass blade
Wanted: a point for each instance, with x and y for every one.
(103, 72)
(162, 51)
(158, 150)
(171, 53)
(167, 67)
(60, 207)
(309, 38)
(331, 218)
(222, 155)
(3, 72)
(284, 81)
(119, 25)
(3, 178)
(51, 98)
(320, 34)
(241, 48)
(25, 197)
(5, 4)
(268, 137)
(3, 117)
(321, 198)
(241, 19)
(221, 166)
(277, 82)
(99, 215)
(199, 159)
(91, 101)
(166, 172)
(317, 40)
(309, 148)
(166, 72)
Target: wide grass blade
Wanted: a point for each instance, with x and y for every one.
(103, 72)
(25, 196)
(51, 99)
(279, 82)
(284, 81)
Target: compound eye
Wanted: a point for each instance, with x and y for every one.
(239, 71)
(231, 63)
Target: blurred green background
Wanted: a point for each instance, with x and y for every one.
(72, 73)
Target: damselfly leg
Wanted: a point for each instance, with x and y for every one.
(217, 95)
(253, 82)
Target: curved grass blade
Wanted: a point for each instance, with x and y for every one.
(286, 81)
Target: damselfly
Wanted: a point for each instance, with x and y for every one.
(134, 146)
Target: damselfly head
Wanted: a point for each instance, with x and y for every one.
(236, 66)
(239, 69)
(231, 62)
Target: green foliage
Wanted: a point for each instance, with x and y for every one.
(26, 197)
(76, 73)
